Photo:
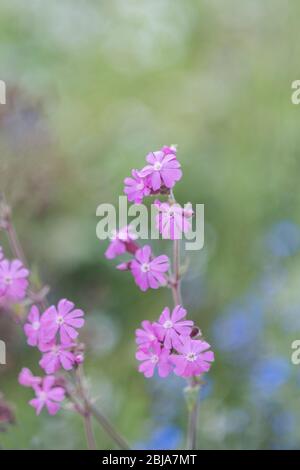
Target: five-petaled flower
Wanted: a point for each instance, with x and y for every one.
(136, 187)
(152, 357)
(163, 169)
(56, 356)
(170, 327)
(13, 280)
(63, 319)
(193, 358)
(148, 271)
(49, 395)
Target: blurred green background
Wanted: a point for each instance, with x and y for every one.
(92, 87)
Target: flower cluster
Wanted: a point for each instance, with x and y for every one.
(13, 281)
(158, 176)
(168, 344)
(54, 333)
(171, 344)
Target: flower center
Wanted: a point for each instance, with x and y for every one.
(191, 356)
(145, 268)
(55, 350)
(7, 280)
(154, 359)
(157, 166)
(168, 324)
(43, 395)
(59, 319)
(36, 325)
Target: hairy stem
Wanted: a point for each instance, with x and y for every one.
(177, 298)
(18, 252)
(89, 431)
(86, 412)
(193, 406)
(109, 429)
(91, 410)
(14, 242)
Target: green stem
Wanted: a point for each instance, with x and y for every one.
(194, 388)
(109, 429)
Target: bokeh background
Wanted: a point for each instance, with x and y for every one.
(92, 87)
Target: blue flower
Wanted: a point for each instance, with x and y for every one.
(236, 329)
(270, 374)
(284, 239)
(167, 437)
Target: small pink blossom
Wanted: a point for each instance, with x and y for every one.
(152, 357)
(13, 280)
(79, 358)
(32, 329)
(27, 379)
(170, 327)
(63, 319)
(124, 266)
(163, 169)
(122, 241)
(193, 357)
(136, 188)
(47, 394)
(56, 356)
(148, 271)
(147, 335)
(166, 149)
(172, 220)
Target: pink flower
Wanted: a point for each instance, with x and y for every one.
(13, 280)
(27, 379)
(148, 271)
(32, 329)
(166, 149)
(47, 394)
(172, 220)
(193, 358)
(124, 266)
(136, 187)
(79, 358)
(56, 356)
(122, 241)
(146, 335)
(63, 319)
(170, 327)
(163, 169)
(152, 357)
